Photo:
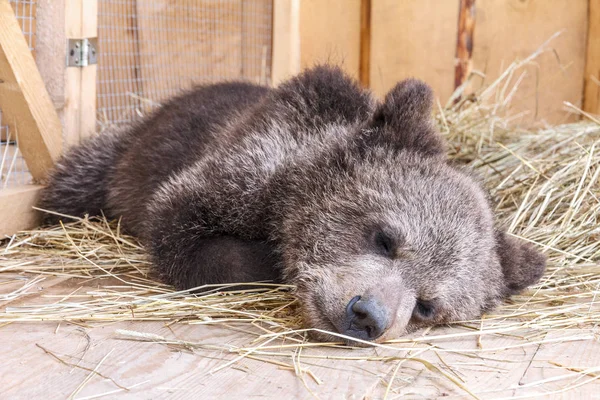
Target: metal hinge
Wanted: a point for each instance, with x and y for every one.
(82, 52)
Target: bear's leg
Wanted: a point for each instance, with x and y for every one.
(217, 260)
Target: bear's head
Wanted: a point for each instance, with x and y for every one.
(385, 236)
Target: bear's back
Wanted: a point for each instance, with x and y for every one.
(178, 134)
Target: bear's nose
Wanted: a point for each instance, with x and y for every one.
(365, 319)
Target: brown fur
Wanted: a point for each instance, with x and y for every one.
(314, 183)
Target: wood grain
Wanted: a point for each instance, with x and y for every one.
(24, 99)
(16, 211)
(514, 29)
(591, 94)
(409, 40)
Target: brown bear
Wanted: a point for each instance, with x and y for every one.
(314, 183)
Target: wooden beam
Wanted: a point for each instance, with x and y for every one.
(16, 212)
(24, 99)
(81, 21)
(50, 49)
(591, 95)
(464, 42)
(365, 42)
(286, 40)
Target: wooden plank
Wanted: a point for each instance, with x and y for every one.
(72, 109)
(464, 42)
(591, 94)
(26, 15)
(188, 42)
(365, 43)
(514, 29)
(89, 29)
(24, 98)
(81, 18)
(330, 33)
(286, 40)
(16, 212)
(409, 40)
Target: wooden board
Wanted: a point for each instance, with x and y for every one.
(81, 21)
(365, 43)
(511, 29)
(591, 94)
(413, 38)
(27, 12)
(286, 40)
(330, 33)
(24, 99)
(15, 209)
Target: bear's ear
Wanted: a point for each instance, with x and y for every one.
(522, 264)
(404, 119)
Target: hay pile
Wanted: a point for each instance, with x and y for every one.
(546, 186)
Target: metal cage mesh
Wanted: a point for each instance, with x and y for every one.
(151, 50)
(13, 170)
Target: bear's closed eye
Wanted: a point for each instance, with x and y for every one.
(385, 244)
(424, 310)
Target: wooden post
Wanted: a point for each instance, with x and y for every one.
(286, 40)
(365, 42)
(81, 21)
(24, 99)
(591, 95)
(464, 42)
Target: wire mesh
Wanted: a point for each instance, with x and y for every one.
(151, 50)
(13, 169)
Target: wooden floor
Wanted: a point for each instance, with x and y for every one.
(56, 361)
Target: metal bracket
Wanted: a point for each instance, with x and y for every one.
(82, 52)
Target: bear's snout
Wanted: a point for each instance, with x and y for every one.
(366, 318)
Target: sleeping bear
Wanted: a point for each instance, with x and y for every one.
(313, 183)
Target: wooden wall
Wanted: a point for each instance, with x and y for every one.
(419, 38)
